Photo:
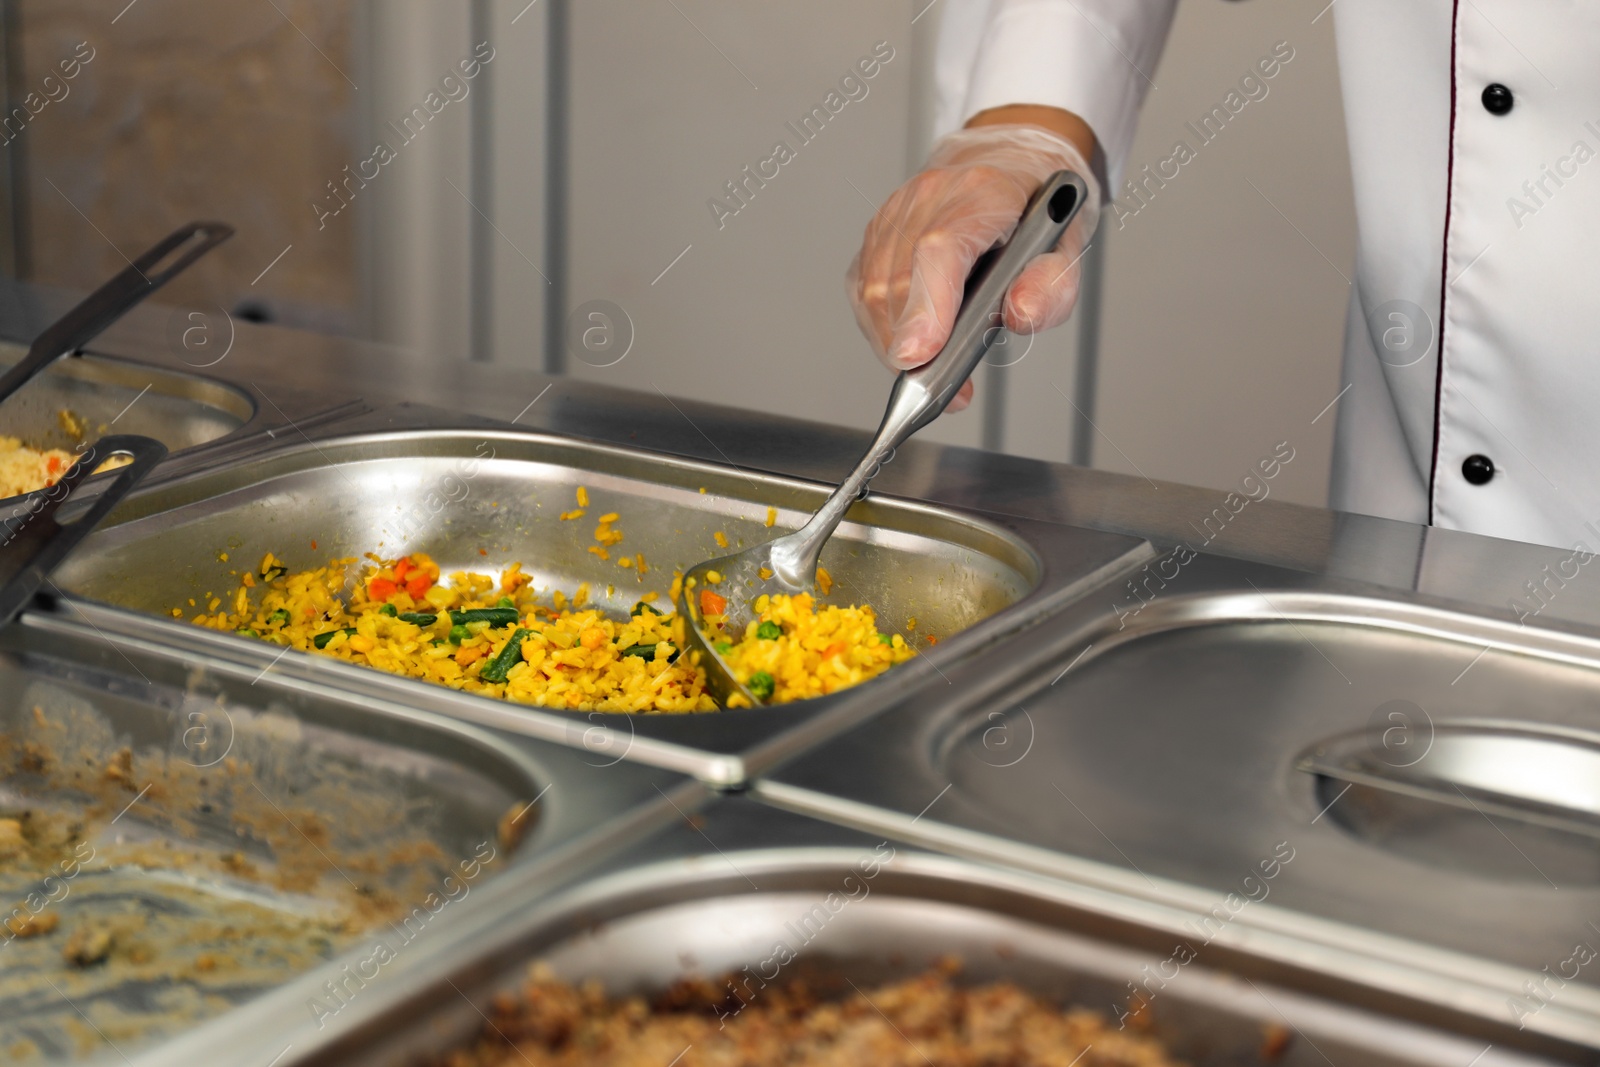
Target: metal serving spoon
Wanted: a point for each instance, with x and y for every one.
(36, 534)
(789, 564)
(88, 319)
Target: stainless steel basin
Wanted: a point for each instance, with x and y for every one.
(480, 500)
(180, 410)
(1427, 769)
(683, 909)
(194, 838)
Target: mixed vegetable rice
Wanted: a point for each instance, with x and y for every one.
(793, 650)
(496, 638)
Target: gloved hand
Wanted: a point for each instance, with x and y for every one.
(907, 281)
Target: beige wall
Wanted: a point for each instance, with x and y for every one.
(1223, 325)
(668, 105)
(194, 109)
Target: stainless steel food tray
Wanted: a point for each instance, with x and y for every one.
(223, 829)
(720, 895)
(1431, 770)
(485, 497)
(200, 417)
(181, 410)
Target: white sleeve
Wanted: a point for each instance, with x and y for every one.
(1094, 58)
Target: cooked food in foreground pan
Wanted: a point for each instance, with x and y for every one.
(500, 639)
(926, 1020)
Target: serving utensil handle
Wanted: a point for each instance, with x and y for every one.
(34, 539)
(116, 298)
(920, 395)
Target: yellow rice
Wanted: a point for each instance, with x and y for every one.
(571, 656)
(24, 469)
(818, 651)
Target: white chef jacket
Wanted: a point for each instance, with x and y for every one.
(1505, 206)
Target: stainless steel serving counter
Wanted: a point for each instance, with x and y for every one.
(1385, 783)
(1130, 733)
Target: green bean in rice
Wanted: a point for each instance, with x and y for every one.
(493, 638)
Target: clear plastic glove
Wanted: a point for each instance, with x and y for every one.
(907, 281)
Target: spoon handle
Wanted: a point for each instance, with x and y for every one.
(920, 395)
(44, 527)
(88, 319)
